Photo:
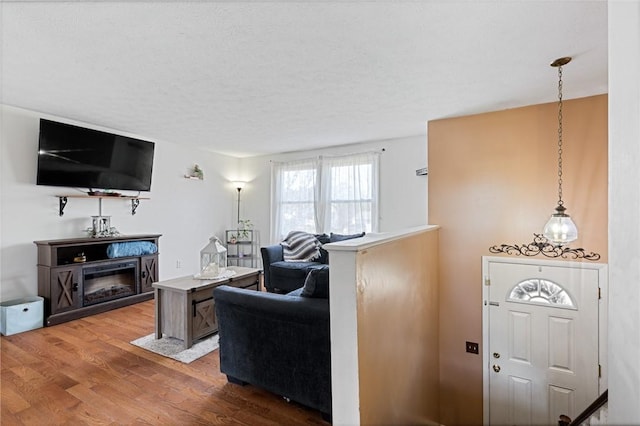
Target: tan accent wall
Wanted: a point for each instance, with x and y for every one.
(493, 180)
(397, 316)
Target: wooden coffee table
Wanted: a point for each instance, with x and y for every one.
(185, 308)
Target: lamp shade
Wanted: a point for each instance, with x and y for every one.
(560, 229)
(239, 184)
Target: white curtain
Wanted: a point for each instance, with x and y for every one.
(293, 198)
(327, 194)
(349, 188)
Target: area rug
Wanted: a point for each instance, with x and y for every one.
(172, 347)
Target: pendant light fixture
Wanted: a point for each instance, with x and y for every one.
(560, 229)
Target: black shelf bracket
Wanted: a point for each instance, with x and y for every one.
(63, 203)
(135, 202)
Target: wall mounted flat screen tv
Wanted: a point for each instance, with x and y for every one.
(74, 156)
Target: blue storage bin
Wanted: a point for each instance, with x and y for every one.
(20, 315)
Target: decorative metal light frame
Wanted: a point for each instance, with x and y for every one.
(540, 245)
(560, 229)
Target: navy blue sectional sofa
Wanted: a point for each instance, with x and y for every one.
(278, 342)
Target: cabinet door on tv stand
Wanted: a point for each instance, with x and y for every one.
(66, 288)
(148, 272)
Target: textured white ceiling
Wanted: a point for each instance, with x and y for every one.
(250, 78)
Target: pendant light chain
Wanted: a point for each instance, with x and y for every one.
(560, 202)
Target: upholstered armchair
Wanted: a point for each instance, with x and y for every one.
(282, 276)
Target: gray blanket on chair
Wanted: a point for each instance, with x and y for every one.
(300, 246)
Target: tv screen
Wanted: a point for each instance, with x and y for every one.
(78, 157)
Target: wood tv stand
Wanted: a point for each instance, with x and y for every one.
(75, 288)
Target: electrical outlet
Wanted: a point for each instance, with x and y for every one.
(178, 264)
(472, 348)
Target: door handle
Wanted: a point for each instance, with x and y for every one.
(496, 368)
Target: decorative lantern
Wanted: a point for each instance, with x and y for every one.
(101, 226)
(213, 259)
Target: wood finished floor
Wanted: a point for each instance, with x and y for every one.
(86, 372)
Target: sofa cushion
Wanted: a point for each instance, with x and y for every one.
(291, 269)
(333, 238)
(317, 283)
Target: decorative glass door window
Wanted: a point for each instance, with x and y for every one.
(541, 292)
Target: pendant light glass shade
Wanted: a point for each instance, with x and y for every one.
(560, 229)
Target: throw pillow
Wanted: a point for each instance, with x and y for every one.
(300, 246)
(323, 238)
(317, 283)
(333, 238)
(324, 255)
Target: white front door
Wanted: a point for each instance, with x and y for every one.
(541, 351)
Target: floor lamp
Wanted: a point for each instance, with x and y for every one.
(239, 185)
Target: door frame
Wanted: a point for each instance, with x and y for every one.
(603, 314)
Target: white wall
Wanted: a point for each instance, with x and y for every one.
(403, 195)
(624, 212)
(186, 212)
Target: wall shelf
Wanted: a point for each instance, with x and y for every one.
(242, 247)
(135, 201)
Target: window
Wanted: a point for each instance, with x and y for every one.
(350, 195)
(294, 197)
(328, 194)
(541, 292)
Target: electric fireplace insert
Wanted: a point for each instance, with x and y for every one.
(109, 282)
